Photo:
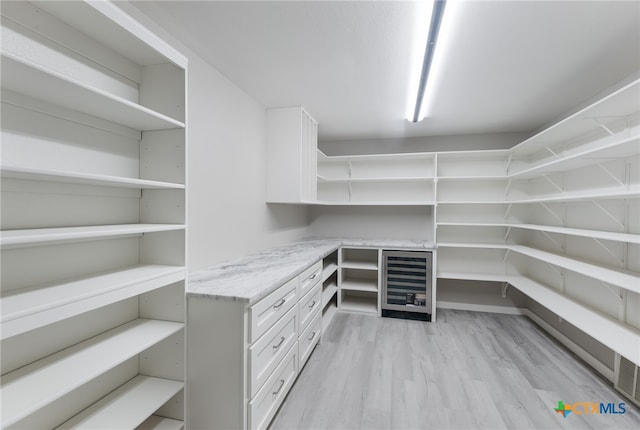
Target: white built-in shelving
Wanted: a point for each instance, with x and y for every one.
(330, 270)
(93, 220)
(558, 220)
(403, 179)
(359, 279)
(557, 214)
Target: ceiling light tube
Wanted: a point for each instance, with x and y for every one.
(434, 28)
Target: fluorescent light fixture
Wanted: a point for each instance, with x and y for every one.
(433, 16)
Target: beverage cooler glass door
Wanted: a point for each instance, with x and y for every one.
(406, 281)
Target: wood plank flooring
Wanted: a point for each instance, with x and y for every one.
(470, 370)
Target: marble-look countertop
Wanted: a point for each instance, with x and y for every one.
(250, 278)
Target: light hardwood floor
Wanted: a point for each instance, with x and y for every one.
(470, 370)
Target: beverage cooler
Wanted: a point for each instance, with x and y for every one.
(407, 284)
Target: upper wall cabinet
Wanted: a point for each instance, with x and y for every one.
(92, 239)
(292, 138)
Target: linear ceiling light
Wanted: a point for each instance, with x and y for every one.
(434, 28)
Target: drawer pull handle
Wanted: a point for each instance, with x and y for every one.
(280, 303)
(312, 304)
(314, 276)
(313, 334)
(279, 343)
(279, 388)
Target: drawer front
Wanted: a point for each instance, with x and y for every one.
(309, 306)
(309, 278)
(265, 404)
(267, 352)
(308, 340)
(270, 309)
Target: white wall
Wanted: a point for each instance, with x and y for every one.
(227, 216)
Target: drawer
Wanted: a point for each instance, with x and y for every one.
(265, 404)
(270, 309)
(267, 352)
(309, 306)
(309, 278)
(308, 340)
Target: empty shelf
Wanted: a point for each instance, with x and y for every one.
(36, 81)
(37, 385)
(328, 292)
(27, 237)
(69, 177)
(329, 270)
(155, 422)
(356, 284)
(128, 406)
(359, 304)
(29, 308)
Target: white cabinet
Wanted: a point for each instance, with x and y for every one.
(93, 214)
(244, 357)
(358, 279)
(292, 138)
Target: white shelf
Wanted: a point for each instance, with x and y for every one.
(360, 265)
(329, 270)
(595, 234)
(378, 179)
(355, 284)
(618, 147)
(61, 176)
(471, 177)
(620, 103)
(327, 316)
(359, 304)
(30, 308)
(25, 77)
(31, 237)
(155, 422)
(128, 406)
(476, 276)
(373, 203)
(328, 293)
(615, 335)
(473, 245)
(632, 192)
(618, 277)
(32, 387)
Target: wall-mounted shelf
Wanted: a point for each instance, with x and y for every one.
(39, 384)
(30, 308)
(25, 77)
(66, 177)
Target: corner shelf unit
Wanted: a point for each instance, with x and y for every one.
(93, 220)
(359, 279)
(558, 220)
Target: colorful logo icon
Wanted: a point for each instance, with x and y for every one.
(563, 409)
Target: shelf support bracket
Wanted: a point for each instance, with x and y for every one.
(504, 290)
(506, 254)
(556, 186)
(609, 251)
(552, 152)
(506, 234)
(618, 293)
(609, 214)
(603, 126)
(508, 211)
(553, 240)
(558, 271)
(555, 215)
(509, 163)
(610, 174)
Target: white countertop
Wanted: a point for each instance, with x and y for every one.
(250, 278)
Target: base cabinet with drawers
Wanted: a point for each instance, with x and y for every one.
(243, 358)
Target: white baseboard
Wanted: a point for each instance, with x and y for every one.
(575, 348)
(509, 310)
